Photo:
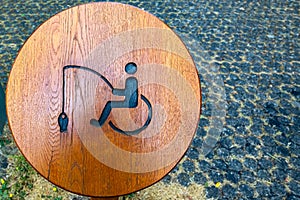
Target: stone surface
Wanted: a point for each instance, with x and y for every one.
(3, 117)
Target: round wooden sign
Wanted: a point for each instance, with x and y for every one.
(103, 99)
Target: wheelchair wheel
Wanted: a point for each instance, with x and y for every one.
(136, 131)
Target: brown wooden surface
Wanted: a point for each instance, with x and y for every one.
(103, 37)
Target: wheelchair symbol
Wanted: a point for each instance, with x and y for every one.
(130, 94)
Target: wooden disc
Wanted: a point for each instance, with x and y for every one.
(103, 99)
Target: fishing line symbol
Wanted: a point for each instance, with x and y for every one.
(130, 93)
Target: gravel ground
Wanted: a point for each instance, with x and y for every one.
(247, 145)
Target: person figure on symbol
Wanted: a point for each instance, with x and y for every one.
(130, 92)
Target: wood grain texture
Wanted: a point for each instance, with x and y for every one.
(90, 160)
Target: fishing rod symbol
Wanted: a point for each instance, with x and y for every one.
(130, 92)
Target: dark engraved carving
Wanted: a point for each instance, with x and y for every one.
(130, 93)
